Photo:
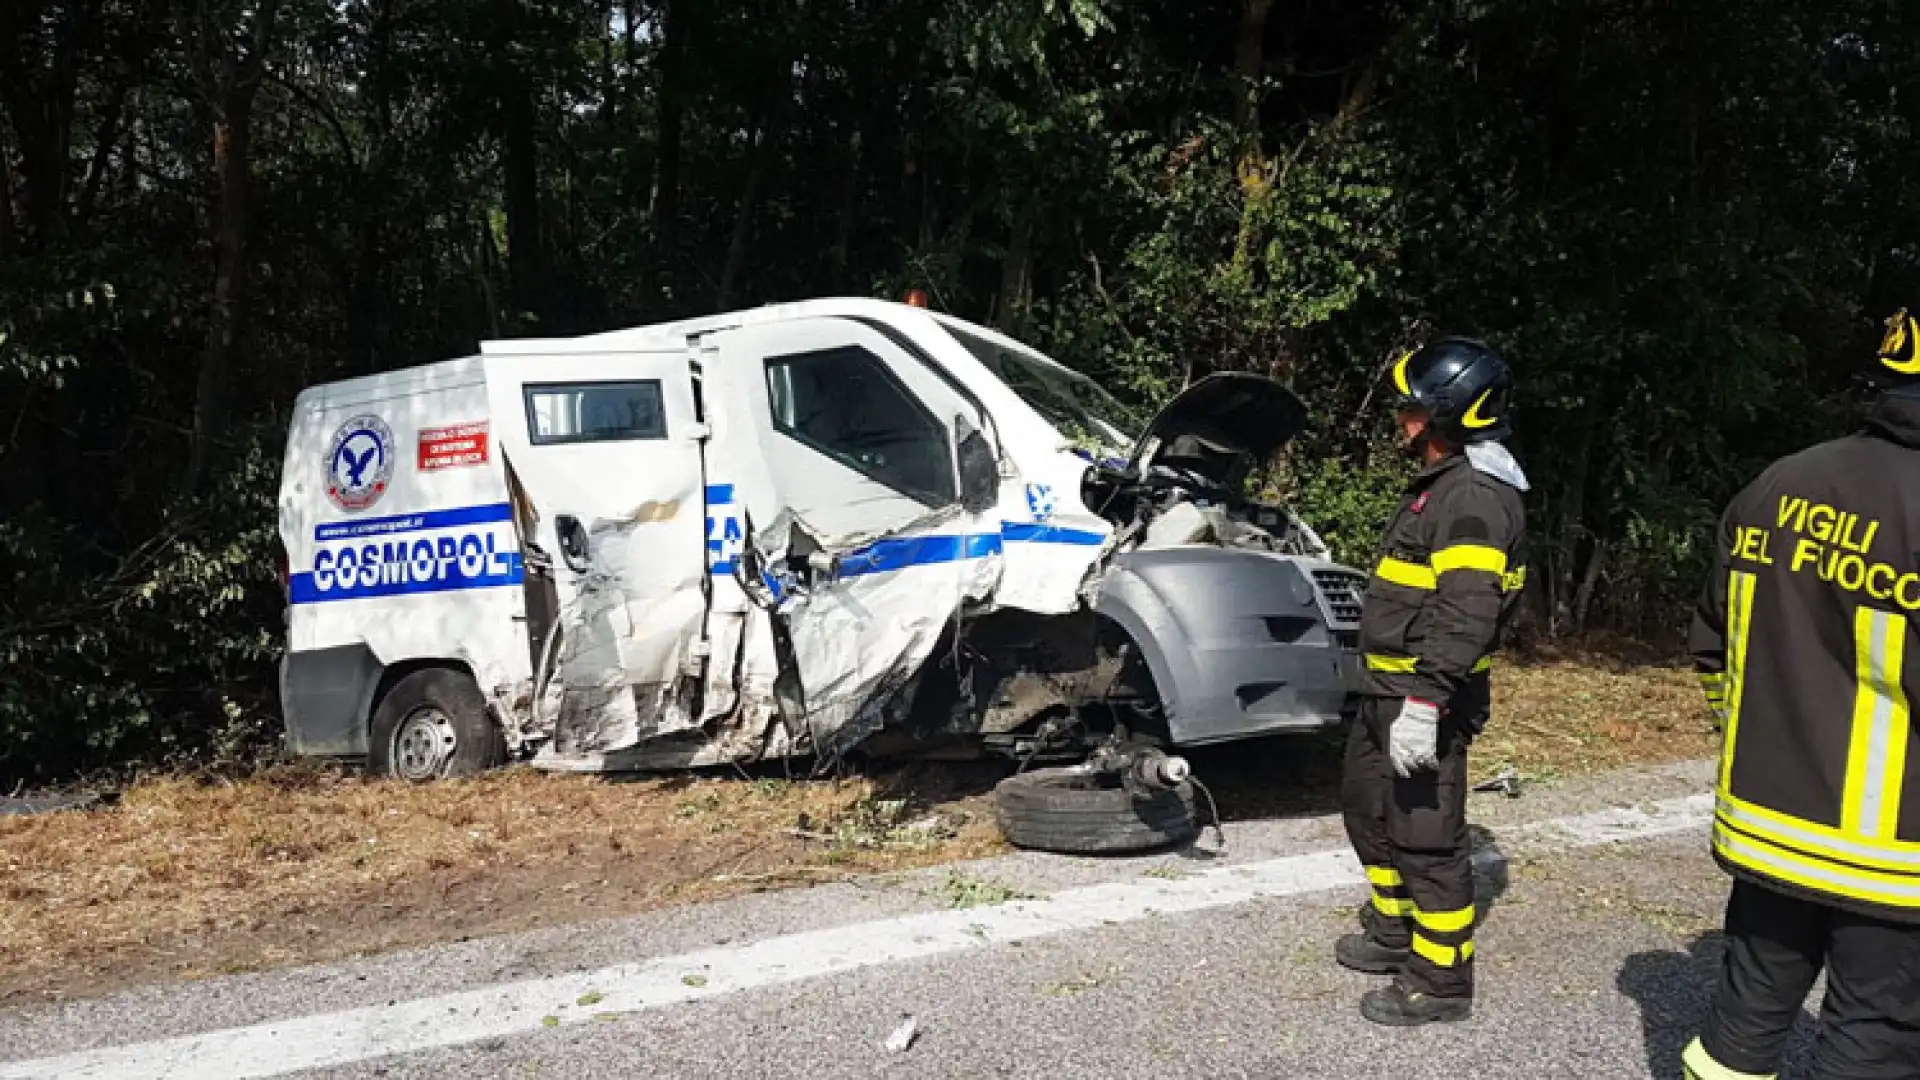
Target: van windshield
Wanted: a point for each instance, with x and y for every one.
(1071, 402)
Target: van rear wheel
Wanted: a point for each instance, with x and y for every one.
(431, 724)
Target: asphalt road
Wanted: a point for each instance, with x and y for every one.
(1595, 961)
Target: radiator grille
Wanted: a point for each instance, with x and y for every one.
(1342, 590)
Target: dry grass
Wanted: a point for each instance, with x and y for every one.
(189, 877)
(181, 859)
(1554, 715)
(1586, 712)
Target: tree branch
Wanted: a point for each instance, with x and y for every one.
(322, 111)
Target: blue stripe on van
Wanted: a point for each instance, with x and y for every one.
(1034, 533)
(887, 556)
(903, 553)
(402, 523)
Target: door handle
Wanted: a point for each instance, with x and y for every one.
(573, 542)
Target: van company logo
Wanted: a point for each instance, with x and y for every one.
(360, 463)
(1040, 501)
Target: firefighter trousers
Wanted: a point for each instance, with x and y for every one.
(1411, 836)
(1776, 946)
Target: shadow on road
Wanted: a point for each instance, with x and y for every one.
(1491, 875)
(1673, 990)
(1276, 777)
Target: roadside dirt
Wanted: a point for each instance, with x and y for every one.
(188, 878)
(191, 877)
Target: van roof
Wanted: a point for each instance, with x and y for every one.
(668, 336)
(364, 389)
(673, 335)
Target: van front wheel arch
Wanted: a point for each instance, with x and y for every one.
(433, 723)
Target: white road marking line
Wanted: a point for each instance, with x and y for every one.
(286, 1046)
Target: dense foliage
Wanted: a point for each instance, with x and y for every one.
(1682, 219)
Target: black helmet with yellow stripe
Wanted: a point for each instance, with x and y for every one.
(1461, 384)
(1899, 361)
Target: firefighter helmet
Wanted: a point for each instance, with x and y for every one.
(1461, 384)
(1898, 363)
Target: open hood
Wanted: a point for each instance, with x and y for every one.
(1221, 427)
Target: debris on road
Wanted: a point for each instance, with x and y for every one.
(1507, 783)
(23, 805)
(965, 891)
(903, 1036)
(881, 824)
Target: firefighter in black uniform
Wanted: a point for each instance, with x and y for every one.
(1805, 641)
(1449, 574)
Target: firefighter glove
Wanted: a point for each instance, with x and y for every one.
(1413, 740)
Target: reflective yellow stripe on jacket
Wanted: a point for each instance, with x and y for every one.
(1426, 576)
(1739, 621)
(1411, 575)
(1877, 757)
(1863, 859)
(1470, 557)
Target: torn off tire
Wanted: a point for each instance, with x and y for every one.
(1077, 812)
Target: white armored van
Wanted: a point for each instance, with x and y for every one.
(790, 531)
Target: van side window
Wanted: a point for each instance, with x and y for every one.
(845, 403)
(595, 412)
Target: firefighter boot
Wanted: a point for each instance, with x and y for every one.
(1361, 952)
(1395, 1006)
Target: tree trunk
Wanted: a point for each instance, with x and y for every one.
(366, 296)
(9, 239)
(1589, 583)
(609, 93)
(232, 137)
(1016, 273)
(40, 98)
(1572, 523)
(849, 209)
(486, 267)
(367, 290)
(631, 36)
(526, 271)
(763, 155)
(43, 170)
(1249, 63)
(664, 204)
(105, 136)
(234, 91)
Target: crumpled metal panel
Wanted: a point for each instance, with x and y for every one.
(858, 639)
(627, 633)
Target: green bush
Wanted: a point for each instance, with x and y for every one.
(1349, 503)
(167, 657)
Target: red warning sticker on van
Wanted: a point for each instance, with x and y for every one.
(453, 447)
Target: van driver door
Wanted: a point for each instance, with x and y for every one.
(868, 485)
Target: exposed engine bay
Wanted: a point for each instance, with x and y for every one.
(1191, 548)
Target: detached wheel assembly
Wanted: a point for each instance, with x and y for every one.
(1087, 811)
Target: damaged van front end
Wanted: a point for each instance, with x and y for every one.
(1080, 576)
